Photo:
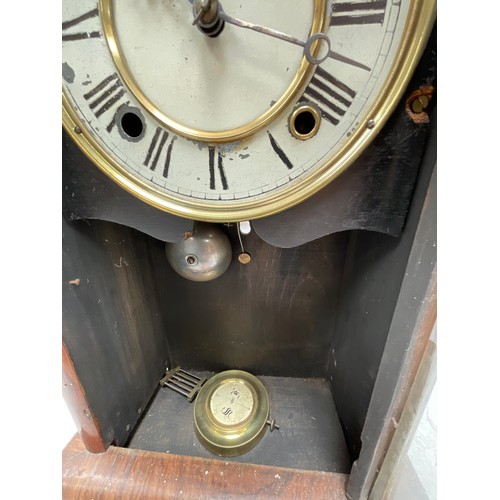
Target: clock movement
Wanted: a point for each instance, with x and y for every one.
(248, 193)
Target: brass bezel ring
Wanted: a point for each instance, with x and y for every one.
(420, 20)
(213, 136)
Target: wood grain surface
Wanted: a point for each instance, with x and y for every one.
(111, 325)
(77, 403)
(133, 474)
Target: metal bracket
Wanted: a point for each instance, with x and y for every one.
(272, 424)
(183, 382)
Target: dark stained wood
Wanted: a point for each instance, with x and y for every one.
(383, 422)
(412, 322)
(123, 474)
(75, 398)
(90, 194)
(377, 271)
(111, 324)
(272, 316)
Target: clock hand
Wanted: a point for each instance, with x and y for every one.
(287, 38)
(206, 17)
(205, 5)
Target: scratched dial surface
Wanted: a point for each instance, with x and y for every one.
(220, 84)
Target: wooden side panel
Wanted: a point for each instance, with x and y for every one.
(131, 474)
(76, 400)
(378, 270)
(112, 326)
(411, 326)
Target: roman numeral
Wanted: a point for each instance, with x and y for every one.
(105, 95)
(277, 149)
(220, 168)
(331, 95)
(155, 151)
(367, 12)
(82, 35)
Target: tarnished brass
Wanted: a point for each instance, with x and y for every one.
(231, 413)
(244, 258)
(183, 382)
(418, 102)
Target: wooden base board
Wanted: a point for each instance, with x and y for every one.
(122, 473)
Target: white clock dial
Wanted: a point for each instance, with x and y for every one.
(209, 83)
(201, 126)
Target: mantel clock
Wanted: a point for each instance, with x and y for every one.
(298, 134)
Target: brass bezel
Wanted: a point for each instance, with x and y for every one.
(293, 117)
(421, 16)
(231, 440)
(223, 136)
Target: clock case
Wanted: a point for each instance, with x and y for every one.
(334, 314)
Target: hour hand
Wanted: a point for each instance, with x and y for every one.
(211, 12)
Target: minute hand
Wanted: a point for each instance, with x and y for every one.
(287, 38)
